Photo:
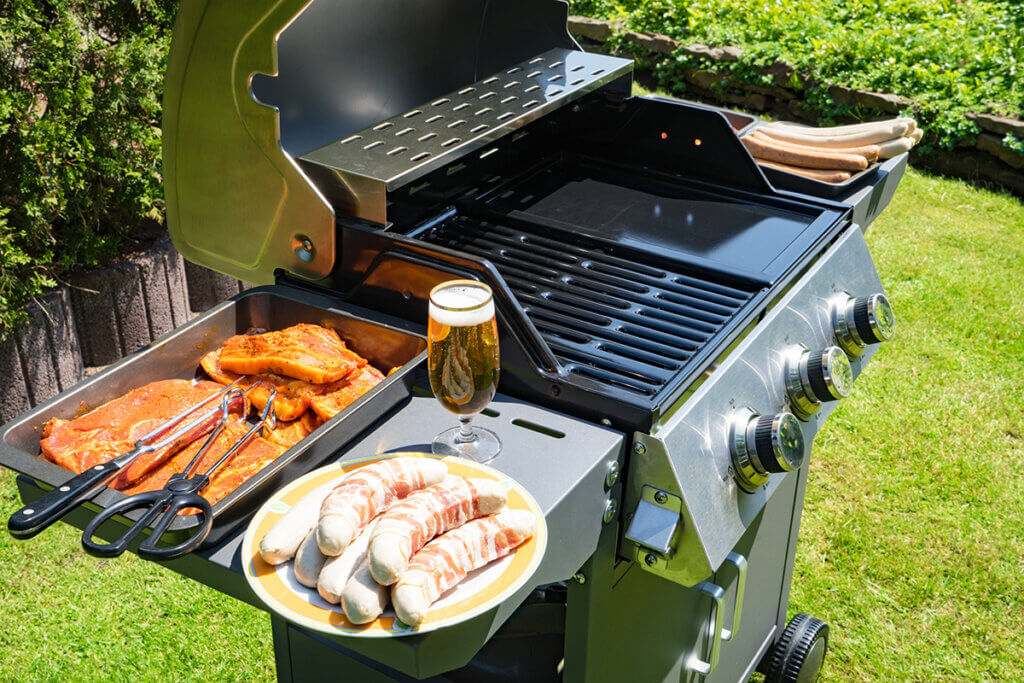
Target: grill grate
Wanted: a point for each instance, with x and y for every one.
(605, 317)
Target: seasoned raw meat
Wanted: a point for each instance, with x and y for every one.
(337, 396)
(249, 460)
(113, 428)
(308, 352)
(293, 395)
(288, 434)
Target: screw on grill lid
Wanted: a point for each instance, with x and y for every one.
(779, 442)
(873, 317)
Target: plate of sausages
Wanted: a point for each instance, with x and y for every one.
(393, 545)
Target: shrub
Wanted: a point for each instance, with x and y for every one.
(949, 56)
(80, 89)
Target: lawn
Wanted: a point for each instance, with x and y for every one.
(912, 535)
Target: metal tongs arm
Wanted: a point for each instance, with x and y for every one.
(181, 492)
(51, 506)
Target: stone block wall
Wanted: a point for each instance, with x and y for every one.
(100, 317)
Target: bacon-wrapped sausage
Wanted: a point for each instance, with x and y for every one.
(369, 491)
(427, 513)
(446, 560)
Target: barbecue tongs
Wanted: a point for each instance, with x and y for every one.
(181, 492)
(51, 506)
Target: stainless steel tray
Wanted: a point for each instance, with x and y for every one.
(383, 341)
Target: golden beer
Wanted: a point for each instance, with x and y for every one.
(464, 363)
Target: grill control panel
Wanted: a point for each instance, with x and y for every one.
(816, 377)
(728, 446)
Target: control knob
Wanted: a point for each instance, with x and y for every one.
(861, 321)
(816, 377)
(762, 445)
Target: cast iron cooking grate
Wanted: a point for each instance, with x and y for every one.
(606, 318)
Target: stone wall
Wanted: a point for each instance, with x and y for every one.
(101, 316)
(983, 157)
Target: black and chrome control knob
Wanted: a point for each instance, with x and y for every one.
(816, 377)
(763, 445)
(859, 321)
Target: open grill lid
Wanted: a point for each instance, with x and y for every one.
(252, 86)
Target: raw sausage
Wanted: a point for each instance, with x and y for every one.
(408, 526)
(282, 540)
(446, 560)
(803, 136)
(363, 599)
(338, 570)
(308, 560)
(367, 492)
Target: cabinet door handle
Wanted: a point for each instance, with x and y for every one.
(740, 562)
(717, 595)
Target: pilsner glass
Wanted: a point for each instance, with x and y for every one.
(464, 366)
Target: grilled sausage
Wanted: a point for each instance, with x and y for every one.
(282, 540)
(809, 159)
(446, 560)
(308, 560)
(363, 598)
(869, 152)
(338, 570)
(369, 491)
(824, 176)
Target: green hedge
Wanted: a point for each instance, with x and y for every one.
(80, 89)
(949, 56)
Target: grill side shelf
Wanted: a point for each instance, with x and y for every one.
(405, 147)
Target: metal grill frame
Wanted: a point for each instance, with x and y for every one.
(399, 150)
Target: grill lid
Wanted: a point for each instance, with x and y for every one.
(252, 85)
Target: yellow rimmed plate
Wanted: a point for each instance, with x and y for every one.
(477, 593)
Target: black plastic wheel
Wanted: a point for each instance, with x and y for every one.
(800, 652)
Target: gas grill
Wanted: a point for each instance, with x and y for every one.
(665, 315)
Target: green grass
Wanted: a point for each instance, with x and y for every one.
(912, 535)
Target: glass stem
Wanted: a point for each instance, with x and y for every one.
(466, 434)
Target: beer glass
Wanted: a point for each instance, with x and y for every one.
(463, 362)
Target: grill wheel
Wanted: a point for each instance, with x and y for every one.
(800, 652)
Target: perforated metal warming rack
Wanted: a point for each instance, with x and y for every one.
(399, 150)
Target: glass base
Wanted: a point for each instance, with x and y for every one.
(484, 445)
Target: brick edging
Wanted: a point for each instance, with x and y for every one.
(986, 158)
(100, 317)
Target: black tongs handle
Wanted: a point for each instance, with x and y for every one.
(51, 506)
(164, 504)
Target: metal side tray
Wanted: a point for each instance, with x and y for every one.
(688, 456)
(385, 343)
(570, 468)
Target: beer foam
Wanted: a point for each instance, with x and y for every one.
(461, 296)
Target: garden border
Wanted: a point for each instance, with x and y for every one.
(982, 158)
(101, 316)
